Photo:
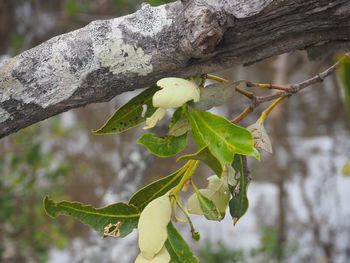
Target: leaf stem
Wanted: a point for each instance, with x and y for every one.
(177, 200)
(266, 86)
(217, 78)
(266, 112)
(192, 166)
(243, 114)
(283, 91)
(248, 94)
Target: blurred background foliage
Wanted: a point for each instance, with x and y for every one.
(29, 172)
(298, 196)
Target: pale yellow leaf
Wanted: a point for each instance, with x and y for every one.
(154, 119)
(162, 257)
(152, 226)
(175, 92)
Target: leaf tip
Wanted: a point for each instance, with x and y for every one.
(49, 205)
(256, 154)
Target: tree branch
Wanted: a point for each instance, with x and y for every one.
(187, 38)
(286, 91)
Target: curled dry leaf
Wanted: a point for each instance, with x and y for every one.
(152, 226)
(260, 136)
(162, 257)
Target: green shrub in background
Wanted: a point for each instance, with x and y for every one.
(27, 173)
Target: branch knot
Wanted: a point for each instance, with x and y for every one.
(203, 28)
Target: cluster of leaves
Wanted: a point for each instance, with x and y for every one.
(222, 146)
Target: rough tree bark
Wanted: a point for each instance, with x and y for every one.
(184, 38)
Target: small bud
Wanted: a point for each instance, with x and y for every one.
(196, 236)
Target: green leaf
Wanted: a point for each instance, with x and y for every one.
(98, 218)
(177, 247)
(130, 114)
(239, 203)
(179, 123)
(205, 156)
(344, 77)
(223, 138)
(208, 207)
(156, 189)
(163, 147)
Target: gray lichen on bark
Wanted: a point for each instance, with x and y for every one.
(54, 71)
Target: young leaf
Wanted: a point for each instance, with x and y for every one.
(224, 139)
(344, 78)
(156, 117)
(98, 218)
(217, 191)
(207, 206)
(177, 247)
(239, 203)
(152, 226)
(181, 127)
(130, 114)
(175, 92)
(161, 257)
(158, 188)
(205, 156)
(163, 147)
(179, 123)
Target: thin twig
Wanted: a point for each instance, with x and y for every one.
(249, 109)
(216, 78)
(248, 94)
(266, 86)
(284, 91)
